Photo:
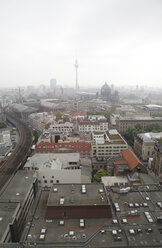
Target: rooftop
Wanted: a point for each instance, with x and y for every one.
(150, 137)
(110, 137)
(76, 146)
(52, 160)
(23, 108)
(91, 196)
(18, 188)
(111, 181)
(130, 158)
(139, 118)
(129, 227)
(153, 107)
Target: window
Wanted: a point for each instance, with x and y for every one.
(57, 181)
(43, 176)
(52, 176)
(45, 181)
(51, 181)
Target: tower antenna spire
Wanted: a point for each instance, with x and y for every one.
(76, 71)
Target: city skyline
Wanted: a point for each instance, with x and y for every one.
(116, 41)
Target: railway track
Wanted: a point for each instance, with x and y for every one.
(14, 162)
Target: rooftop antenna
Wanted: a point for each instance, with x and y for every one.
(76, 70)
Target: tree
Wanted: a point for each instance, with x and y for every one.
(58, 114)
(138, 127)
(100, 173)
(3, 124)
(130, 134)
(132, 131)
(109, 112)
(36, 136)
(154, 127)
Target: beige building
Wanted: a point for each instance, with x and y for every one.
(90, 126)
(66, 127)
(157, 160)
(122, 123)
(144, 144)
(107, 144)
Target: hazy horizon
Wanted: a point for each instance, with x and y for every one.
(116, 41)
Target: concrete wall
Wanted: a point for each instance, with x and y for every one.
(58, 176)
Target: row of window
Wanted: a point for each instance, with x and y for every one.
(60, 146)
(104, 153)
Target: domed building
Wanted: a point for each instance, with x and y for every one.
(106, 92)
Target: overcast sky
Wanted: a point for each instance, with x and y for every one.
(118, 41)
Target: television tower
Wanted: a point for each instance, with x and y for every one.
(76, 69)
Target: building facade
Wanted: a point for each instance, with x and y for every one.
(122, 123)
(144, 144)
(66, 147)
(157, 160)
(90, 126)
(66, 127)
(107, 144)
(55, 168)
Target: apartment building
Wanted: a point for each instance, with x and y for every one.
(144, 144)
(56, 168)
(122, 123)
(107, 144)
(66, 127)
(157, 160)
(66, 147)
(90, 126)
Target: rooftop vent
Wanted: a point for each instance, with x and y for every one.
(43, 231)
(114, 221)
(49, 221)
(100, 191)
(83, 189)
(117, 207)
(55, 190)
(71, 233)
(125, 190)
(62, 222)
(124, 221)
(131, 205)
(62, 200)
(42, 237)
(132, 231)
(114, 232)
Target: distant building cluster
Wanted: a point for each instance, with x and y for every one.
(81, 184)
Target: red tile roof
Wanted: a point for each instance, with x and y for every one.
(131, 158)
(73, 146)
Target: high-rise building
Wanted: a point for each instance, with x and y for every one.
(53, 83)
